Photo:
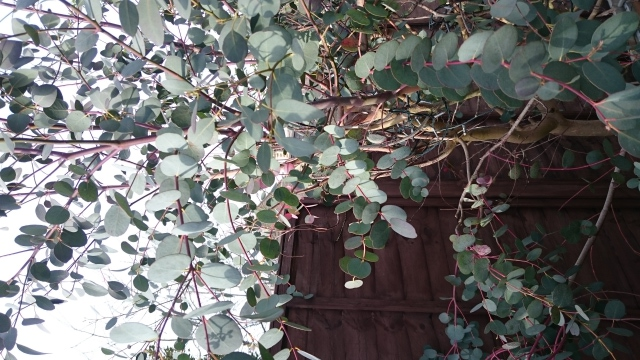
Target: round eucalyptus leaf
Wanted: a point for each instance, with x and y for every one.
(170, 142)
(168, 268)
(74, 238)
(210, 309)
(182, 166)
(220, 334)
(5, 323)
(271, 337)
(57, 215)
(78, 121)
(116, 221)
(129, 17)
(220, 276)
(225, 213)
(234, 47)
(94, 289)
(163, 200)
(132, 332)
(499, 47)
(403, 228)
(44, 95)
(181, 327)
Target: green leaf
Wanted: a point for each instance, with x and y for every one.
(264, 157)
(244, 243)
(454, 76)
(568, 158)
(563, 73)
(615, 309)
(216, 307)
(151, 23)
(421, 54)
(181, 327)
(563, 37)
(63, 188)
(296, 147)
(359, 17)
(584, 4)
(132, 332)
(271, 337)
(234, 47)
(294, 111)
(615, 31)
(527, 60)
(225, 213)
(498, 48)
(407, 46)
(270, 44)
(472, 47)
(57, 215)
(403, 228)
(177, 86)
(370, 212)
(364, 64)
(220, 334)
(129, 18)
(264, 8)
(269, 248)
(393, 212)
(17, 123)
(44, 95)
(180, 165)
(527, 87)
(282, 194)
(481, 269)
(116, 221)
(28, 351)
(74, 238)
(163, 200)
(620, 109)
(62, 252)
(267, 216)
(204, 132)
(562, 296)
(355, 267)
(604, 76)
(44, 303)
(220, 276)
(503, 8)
(630, 141)
(88, 191)
(462, 242)
(168, 267)
(384, 54)
(445, 50)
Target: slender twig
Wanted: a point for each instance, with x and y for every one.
(603, 214)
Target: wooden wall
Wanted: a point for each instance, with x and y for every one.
(395, 313)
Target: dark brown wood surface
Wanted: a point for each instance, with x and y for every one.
(395, 313)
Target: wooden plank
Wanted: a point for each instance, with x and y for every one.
(347, 304)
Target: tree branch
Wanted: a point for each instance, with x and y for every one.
(603, 214)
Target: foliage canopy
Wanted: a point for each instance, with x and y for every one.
(186, 137)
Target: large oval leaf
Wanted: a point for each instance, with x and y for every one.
(220, 334)
(168, 267)
(132, 332)
(220, 276)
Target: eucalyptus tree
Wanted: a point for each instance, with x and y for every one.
(185, 137)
